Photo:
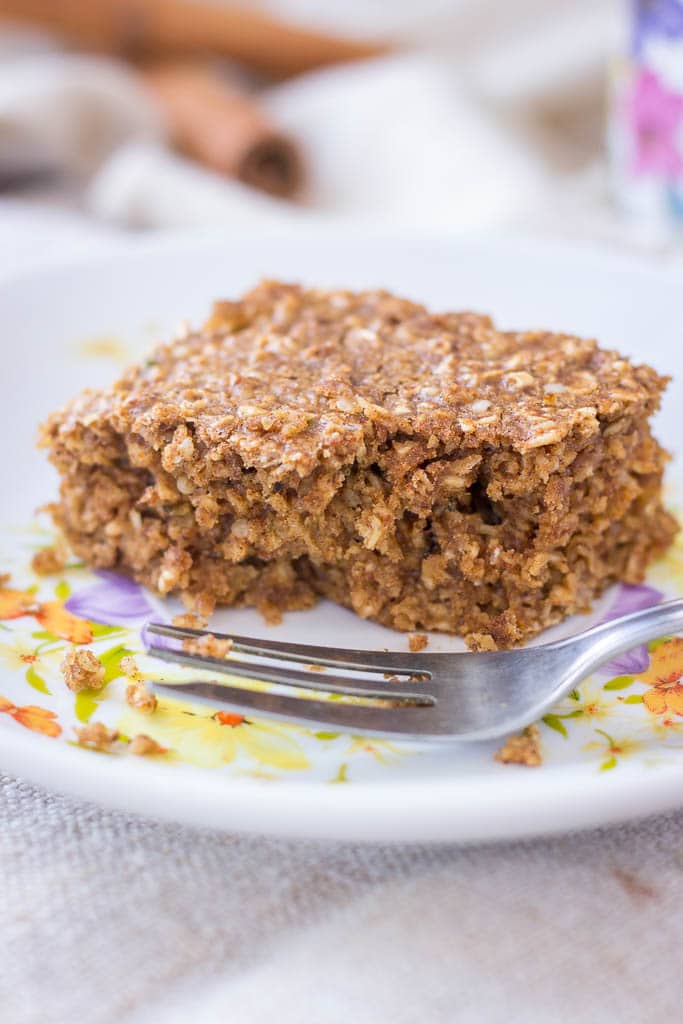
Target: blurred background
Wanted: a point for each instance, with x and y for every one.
(560, 117)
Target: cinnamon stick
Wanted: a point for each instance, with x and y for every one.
(154, 29)
(223, 128)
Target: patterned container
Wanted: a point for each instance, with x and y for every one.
(646, 113)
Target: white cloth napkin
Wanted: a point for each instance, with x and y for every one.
(454, 137)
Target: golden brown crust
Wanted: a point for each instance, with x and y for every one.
(428, 471)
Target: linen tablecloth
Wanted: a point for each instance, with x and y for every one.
(109, 919)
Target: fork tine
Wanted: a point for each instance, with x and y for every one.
(394, 690)
(331, 657)
(419, 722)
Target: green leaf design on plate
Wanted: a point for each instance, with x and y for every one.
(341, 775)
(111, 660)
(85, 703)
(36, 681)
(619, 683)
(554, 722)
(610, 763)
(326, 735)
(99, 630)
(635, 698)
(62, 591)
(574, 695)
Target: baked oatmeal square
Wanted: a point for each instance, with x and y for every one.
(429, 471)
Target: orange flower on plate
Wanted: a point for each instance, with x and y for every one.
(663, 675)
(15, 603)
(52, 615)
(32, 717)
(229, 718)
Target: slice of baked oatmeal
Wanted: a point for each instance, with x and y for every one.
(426, 470)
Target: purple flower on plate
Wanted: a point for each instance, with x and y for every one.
(630, 598)
(114, 601)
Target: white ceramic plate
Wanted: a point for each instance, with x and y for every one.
(612, 752)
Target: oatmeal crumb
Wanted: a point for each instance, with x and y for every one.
(189, 620)
(82, 670)
(143, 745)
(524, 748)
(481, 642)
(96, 736)
(5, 578)
(129, 667)
(202, 604)
(316, 668)
(367, 440)
(209, 646)
(417, 642)
(49, 561)
(140, 698)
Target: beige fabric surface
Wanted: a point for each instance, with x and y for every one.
(106, 918)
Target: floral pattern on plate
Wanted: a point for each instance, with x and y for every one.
(633, 707)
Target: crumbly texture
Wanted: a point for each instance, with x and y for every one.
(144, 746)
(426, 470)
(5, 578)
(524, 748)
(49, 561)
(188, 620)
(140, 698)
(96, 736)
(129, 667)
(82, 670)
(417, 642)
(209, 646)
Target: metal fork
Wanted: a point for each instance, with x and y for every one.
(427, 696)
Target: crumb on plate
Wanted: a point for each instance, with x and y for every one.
(129, 667)
(143, 745)
(189, 620)
(140, 698)
(208, 646)
(523, 748)
(49, 561)
(96, 736)
(479, 642)
(82, 670)
(417, 642)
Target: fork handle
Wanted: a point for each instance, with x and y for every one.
(597, 645)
